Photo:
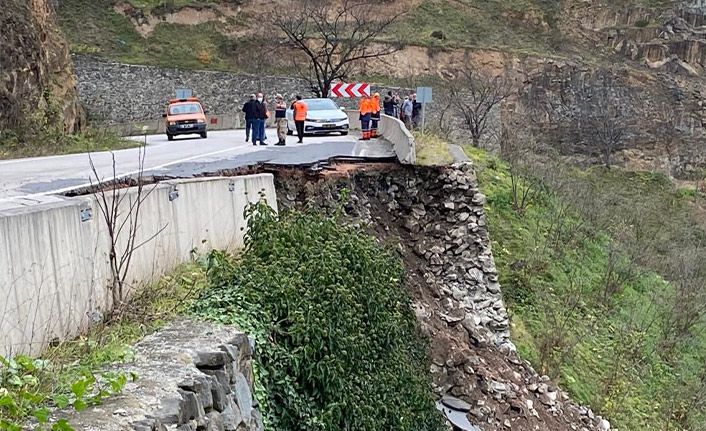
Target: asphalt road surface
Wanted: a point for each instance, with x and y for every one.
(33, 180)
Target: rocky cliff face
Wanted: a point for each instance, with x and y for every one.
(35, 66)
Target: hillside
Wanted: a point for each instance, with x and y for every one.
(555, 52)
(601, 269)
(602, 272)
(147, 31)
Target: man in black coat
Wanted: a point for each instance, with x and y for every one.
(416, 111)
(249, 110)
(260, 116)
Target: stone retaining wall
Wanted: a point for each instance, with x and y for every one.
(435, 219)
(191, 376)
(123, 93)
(114, 92)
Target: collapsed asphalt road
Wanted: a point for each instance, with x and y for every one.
(34, 180)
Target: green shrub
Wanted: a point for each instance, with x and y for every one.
(25, 395)
(338, 348)
(595, 273)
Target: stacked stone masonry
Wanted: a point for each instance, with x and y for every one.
(117, 93)
(191, 376)
(104, 87)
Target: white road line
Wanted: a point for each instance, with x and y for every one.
(164, 165)
(43, 158)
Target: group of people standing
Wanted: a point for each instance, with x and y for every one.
(409, 111)
(257, 112)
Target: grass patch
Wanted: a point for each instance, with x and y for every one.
(159, 6)
(35, 139)
(528, 26)
(148, 310)
(583, 269)
(95, 28)
(431, 150)
(338, 347)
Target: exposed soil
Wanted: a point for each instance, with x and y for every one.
(146, 23)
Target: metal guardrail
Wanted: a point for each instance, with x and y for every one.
(157, 126)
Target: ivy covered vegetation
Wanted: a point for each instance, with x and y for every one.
(338, 348)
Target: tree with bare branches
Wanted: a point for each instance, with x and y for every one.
(120, 210)
(599, 119)
(334, 36)
(475, 96)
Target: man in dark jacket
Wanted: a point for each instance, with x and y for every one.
(389, 104)
(248, 108)
(416, 111)
(260, 115)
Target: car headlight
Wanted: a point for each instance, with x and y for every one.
(201, 121)
(172, 123)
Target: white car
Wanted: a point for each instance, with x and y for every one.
(322, 116)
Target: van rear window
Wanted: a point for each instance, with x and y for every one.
(185, 108)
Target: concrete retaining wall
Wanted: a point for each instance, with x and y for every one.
(54, 267)
(394, 131)
(157, 126)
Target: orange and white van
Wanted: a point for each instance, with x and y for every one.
(184, 117)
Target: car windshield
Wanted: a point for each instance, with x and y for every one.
(321, 105)
(185, 108)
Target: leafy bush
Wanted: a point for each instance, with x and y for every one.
(338, 348)
(25, 395)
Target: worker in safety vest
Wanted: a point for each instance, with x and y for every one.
(375, 115)
(365, 114)
(299, 108)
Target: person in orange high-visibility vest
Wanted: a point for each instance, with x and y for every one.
(365, 114)
(375, 115)
(299, 107)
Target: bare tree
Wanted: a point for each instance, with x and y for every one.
(686, 307)
(600, 120)
(120, 211)
(475, 96)
(519, 152)
(334, 36)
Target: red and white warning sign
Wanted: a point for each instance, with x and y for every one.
(349, 90)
